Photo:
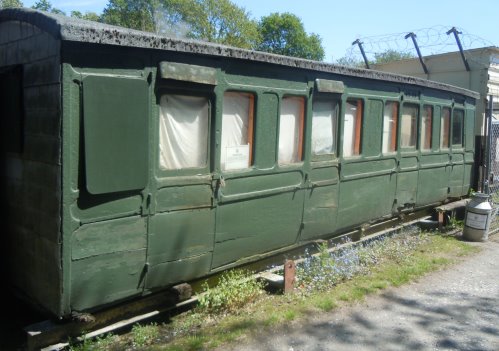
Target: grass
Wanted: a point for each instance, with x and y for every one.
(382, 266)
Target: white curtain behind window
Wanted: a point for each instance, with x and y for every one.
(408, 126)
(289, 129)
(235, 119)
(183, 132)
(349, 129)
(389, 120)
(323, 127)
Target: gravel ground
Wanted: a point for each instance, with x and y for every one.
(452, 309)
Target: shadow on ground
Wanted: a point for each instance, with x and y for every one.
(435, 319)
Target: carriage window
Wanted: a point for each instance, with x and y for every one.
(324, 116)
(183, 132)
(426, 127)
(237, 131)
(352, 128)
(444, 128)
(291, 130)
(408, 129)
(457, 127)
(390, 122)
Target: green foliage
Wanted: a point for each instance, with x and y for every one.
(321, 272)
(455, 223)
(135, 14)
(143, 335)
(284, 34)
(90, 16)
(350, 61)
(290, 315)
(235, 289)
(4, 4)
(217, 21)
(379, 57)
(96, 344)
(45, 5)
(391, 55)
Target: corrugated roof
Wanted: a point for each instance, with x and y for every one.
(73, 29)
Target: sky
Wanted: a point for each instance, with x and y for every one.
(380, 24)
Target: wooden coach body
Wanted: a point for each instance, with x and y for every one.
(134, 161)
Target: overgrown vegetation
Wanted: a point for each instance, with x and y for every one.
(327, 269)
(239, 306)
(235, 289)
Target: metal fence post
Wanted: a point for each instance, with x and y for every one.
(488, 147)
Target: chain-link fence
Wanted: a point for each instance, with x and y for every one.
(491, 178)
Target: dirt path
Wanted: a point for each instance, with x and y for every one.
(453, 309)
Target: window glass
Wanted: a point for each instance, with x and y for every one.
(324, 115)
(408, 129)
(237, 131)
(291, 130)
(444, 128)
(426, 127)
(390, 122)
(352, 128)
(183, 132)
(457, 127)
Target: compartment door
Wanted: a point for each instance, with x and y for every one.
(181, 227)
(407, 180)
(321, 197)
(108, 249)
(260, 204)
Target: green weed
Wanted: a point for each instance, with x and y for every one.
(143, 335)
(96, 344)
(235, 289)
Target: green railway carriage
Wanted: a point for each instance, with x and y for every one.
(134, 162)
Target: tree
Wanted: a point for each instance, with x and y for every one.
(90, 16)
(391, 55)
(284, 34)
(379, 57)
(350, 61)
(4, 4)
(135, 14)
(45, 5)
(218, 21)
